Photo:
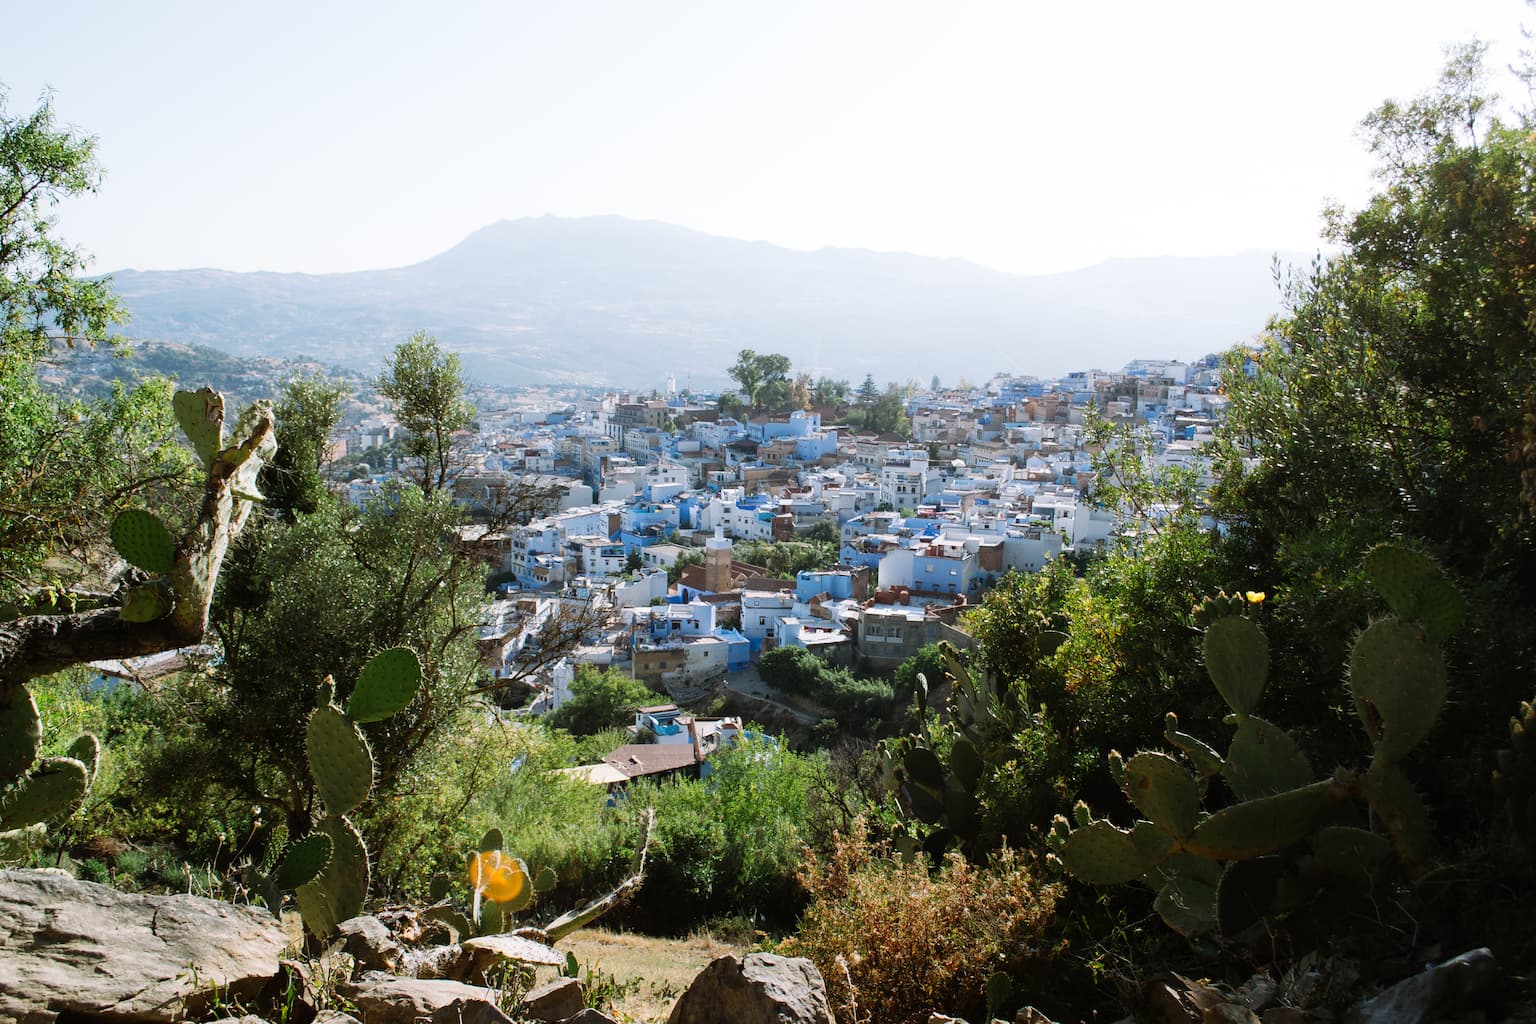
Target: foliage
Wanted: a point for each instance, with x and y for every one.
(45, 295)
(426, 386)
(1396, 399)
(733, 839)
(601, 699)
(895, 940)
(764, 379)
(888, 415)
(318, 598)
(65, 466)
(861, 704)
(1218, 870)
(828, 392)
(307, 413)
(1074, 667)
(783, 559)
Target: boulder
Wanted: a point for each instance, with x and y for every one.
(1467, 982)
(370, 943)
(758, 989)
(335, 1017)
(589, 1016)
(470, 1011)
(80, 948)
(553, 1000)
(383, 999)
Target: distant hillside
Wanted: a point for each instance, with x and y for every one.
(610, 300)
(91, 372)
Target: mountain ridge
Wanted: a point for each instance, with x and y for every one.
(642, 300)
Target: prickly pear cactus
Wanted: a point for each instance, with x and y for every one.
(332, 887)
(33, 792)
(938, 794)
(1226, 870)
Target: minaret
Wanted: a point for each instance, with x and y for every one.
(717, 562)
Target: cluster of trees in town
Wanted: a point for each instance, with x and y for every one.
(767, 382)
(1395, 400)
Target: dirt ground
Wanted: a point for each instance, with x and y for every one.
(652, 972)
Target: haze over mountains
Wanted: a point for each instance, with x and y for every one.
(606, 300)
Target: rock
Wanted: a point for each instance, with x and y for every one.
(335, 1017)
(943, 1018)
(452, 962)
(382, 999)
(589, 1016)
(759, 989)
(80, 948)
(553, 1000)
(249, 1018)
(470, 1011)
(370, 944)
(1457, 986)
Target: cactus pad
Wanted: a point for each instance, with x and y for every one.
(1101, 854)
(1402, 813)
(1263, 760)
(1164, 791)
(1350, 851)
(963, 813)
(1246, 894)
(21, 735)
(146, 603)
(385, 686)
(924, 768)
(1188, 905)
(545, 880)
(201, 415)
(1237, 659)
(52, 790)
(338, 892)
(1200, 753)
(1398, 681)
(339, 760)
(87, 750)
(1261, 826)
(142, 539)
(303, 861)
(492, 840)
(965, 763)
(925, 805)
(455, 922)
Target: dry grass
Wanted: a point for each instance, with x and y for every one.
(663, 967)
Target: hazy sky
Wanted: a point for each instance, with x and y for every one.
(1027, 136)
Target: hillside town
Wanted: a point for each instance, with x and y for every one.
(648, 501)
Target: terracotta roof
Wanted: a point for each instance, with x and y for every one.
(637, 759)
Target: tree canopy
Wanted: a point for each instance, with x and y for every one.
(426, 386)
(763, 378)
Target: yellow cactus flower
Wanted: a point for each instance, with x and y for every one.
(1255, 596)
(497, 876)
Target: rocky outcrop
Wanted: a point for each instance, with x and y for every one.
(76, 947)
(757, 989)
